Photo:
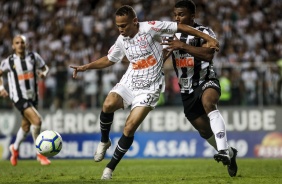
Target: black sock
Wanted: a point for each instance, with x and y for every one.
(106, 120)
(124, 144)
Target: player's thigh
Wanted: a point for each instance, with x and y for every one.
(135, 118)
(32, 115)
(112, 102)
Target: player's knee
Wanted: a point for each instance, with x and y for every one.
(109, 107)
(209, 107)
(26, 128)
(38, 123)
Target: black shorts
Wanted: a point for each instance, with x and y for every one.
(192, 103)
(23, 104)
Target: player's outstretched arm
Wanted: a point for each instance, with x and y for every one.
(103, 62)
(203, 53)
(3, 92)
(211, 42)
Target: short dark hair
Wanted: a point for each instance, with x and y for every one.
(126, 10)
(188, 4)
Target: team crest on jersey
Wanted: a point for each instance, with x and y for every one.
(194, 42)
(142, 42)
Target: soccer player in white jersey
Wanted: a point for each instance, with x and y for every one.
(199, 86)
(22, 68)
(143, 81)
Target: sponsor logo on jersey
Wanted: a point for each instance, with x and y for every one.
(26, 76)
(144, 63)
(132, 57)
(185, 62)
(162, 30)
(152, 22)
(141, 83)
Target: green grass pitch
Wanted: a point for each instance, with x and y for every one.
(142, 171)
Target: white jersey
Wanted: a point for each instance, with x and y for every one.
(21, 75)
(145, 55)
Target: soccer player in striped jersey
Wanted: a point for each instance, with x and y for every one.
(199, 86)
(143, 81)
(22, 69)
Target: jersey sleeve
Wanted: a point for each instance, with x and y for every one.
(163, 28)
(116, 53)
(209, 32)
(39, 60)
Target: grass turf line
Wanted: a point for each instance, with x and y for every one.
(142, 171)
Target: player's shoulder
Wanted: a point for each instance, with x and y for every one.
(153, 23)
(5, 62)
(149, 24)
(204, 29)
(120, 39)
(7, 58)
(146, 25)
(32, 54)
(200, 27)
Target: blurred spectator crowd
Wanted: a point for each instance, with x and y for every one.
(75, 32)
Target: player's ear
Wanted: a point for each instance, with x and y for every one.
(135, 21)
(192, 19)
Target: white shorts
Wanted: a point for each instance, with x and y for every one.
(137, 98)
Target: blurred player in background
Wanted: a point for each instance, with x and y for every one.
(199, 86)
(143, 81)
(22, 69)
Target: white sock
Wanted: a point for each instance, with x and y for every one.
(21, 135)
(35, 131)
(218, 128)
(212, 142)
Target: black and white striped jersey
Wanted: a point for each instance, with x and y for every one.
(191, 72)
(21, 74)
(144, 53)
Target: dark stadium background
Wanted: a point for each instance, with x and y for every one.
(66, 32)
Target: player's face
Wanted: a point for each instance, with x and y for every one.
(19, 44)
(126, 26)
(183, 16)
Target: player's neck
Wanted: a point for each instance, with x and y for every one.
(135, 31)
(20, 54)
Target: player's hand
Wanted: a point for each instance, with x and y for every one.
(4, 93)
(172, 44)
(213, 44)
(77, 69)
(40, 74)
